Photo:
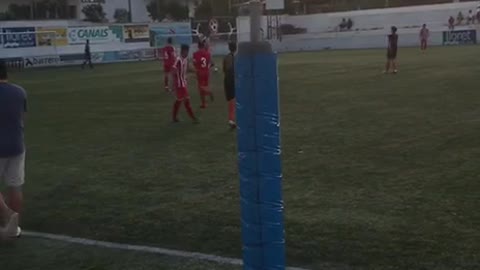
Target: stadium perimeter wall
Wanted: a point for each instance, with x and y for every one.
(370, 27)
(133, 42)
(51, 43)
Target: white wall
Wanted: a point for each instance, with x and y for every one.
(436, 16)
(374, 25)
(433, 15)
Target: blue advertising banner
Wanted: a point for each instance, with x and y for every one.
(181, 33)
(18, 37)
(460, 37)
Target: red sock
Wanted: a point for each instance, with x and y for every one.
(176, 107)
(189, 109)
(231, 110)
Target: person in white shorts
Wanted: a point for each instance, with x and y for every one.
(13, 104)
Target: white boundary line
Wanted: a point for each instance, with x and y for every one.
(144, 249)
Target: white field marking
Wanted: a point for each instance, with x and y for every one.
(144, 249)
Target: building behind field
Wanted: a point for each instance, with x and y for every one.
(73, 10)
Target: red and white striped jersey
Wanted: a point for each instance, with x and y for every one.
(424, 33)
(180, 72)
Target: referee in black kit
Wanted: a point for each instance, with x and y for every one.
(229, 83)
(87, 56)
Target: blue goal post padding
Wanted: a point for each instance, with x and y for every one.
(259, 154)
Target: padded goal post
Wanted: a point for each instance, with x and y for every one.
(259, 150)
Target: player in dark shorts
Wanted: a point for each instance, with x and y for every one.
(392, 51)
(87, 56)
(229, 82)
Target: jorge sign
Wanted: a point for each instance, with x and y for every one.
(460, 37)
(96, 34)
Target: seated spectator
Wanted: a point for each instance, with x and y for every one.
(343, 24)
(478, 14)
(349, 24)
(460, 18)
(470, 17)
(451, 23)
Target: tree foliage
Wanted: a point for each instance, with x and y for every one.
(204, 10)
(121, 15)
(51, 9)
(94, 13)
(18, 12)
(161, 9)
(6, 16)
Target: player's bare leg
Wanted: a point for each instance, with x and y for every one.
(8, 221)
(231, 114)
(394, 66)
(387, 67)
(166, 81)
(4, 211)
(208, 93)
(176, 108)
(204, 92)
(15, 199)
(189, 109)
(203, 100)
(424, 45)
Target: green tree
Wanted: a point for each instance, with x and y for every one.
(160, 9)
(220, 8)
(177, 11)
(156, 10)
(94, 13)
(6, 16)
(18, 12)
(204, 11)
(121, 15)
(50, 9)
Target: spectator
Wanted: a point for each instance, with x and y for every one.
(451, 23)
(460, 18)
(13, 105)
(343, 24)
(470, 17)
(349, 24)
(477, 13)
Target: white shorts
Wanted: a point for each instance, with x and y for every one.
(12, 170)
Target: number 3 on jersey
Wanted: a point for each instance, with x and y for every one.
(203, 61)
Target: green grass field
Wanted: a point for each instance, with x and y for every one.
(380, 171)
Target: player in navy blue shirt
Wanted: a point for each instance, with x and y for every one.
(13, 104)
(392, 51)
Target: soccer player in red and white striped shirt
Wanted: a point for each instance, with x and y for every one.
(180, 69)
(424, 35)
